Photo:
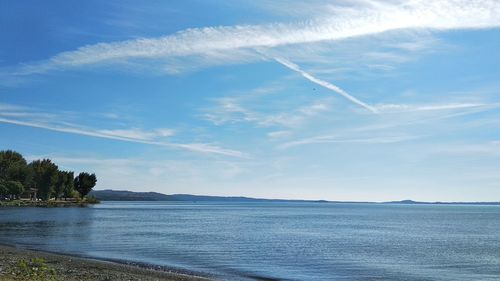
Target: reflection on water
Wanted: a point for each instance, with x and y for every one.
(39, 227)
(294, 241)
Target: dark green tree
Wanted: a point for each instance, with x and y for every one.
(84, 183)
(4, 191)
(15, 189)
(45, 174)
(64, 185)
(59, 185)
(69, 186)
(13, 167)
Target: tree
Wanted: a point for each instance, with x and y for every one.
(13, 167)
(69, 187)
(64, 185)
(16, 176)
(84, 183)
(15, 189)
(4, 191)
(59, 184)
(45, 174)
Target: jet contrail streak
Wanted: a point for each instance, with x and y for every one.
(325, 84)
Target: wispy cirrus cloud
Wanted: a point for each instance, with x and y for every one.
(24, 116)
(128, 136)
(230, 110)
(278, 134)
(139, 134)
(338, 139)
(399, 108)
(412, 118)
(434, 119)
(12, 110)
(336, 23)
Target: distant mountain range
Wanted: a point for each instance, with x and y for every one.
(441, 203)
(123, 195)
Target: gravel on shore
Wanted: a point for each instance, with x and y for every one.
(64, 267)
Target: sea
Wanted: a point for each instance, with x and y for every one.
(272, 240)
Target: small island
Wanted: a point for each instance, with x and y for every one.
(40, 183)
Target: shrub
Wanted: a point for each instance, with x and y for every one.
(91, 200)
(35, 269)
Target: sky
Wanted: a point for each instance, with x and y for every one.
(356, 100)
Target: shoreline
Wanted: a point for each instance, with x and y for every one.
(68, 267)
(46, 204)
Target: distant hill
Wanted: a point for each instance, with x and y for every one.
(405, 202)
(123, 195)
(441, 203)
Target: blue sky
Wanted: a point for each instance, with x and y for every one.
(340, 100)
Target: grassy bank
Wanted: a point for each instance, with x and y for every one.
(18, 264)
(47, 204)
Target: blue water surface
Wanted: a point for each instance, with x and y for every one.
(273, 241)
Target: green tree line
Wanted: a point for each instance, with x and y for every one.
(18, 176)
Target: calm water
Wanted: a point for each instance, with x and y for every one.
(266, 241)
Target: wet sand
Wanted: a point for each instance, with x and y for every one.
(75, 268)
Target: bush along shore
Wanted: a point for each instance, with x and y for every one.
(50, 203)
(40, 183)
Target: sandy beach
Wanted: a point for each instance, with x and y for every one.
(62, 267)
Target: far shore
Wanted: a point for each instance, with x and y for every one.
(51, 266)
(47, 204)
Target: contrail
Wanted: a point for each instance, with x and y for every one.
(325, 84)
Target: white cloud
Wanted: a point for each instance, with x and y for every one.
(135, 136)
(421, 44)
(231, 110)
(337, 139)
(278, 134)
(314, 109)
(5, 107)
(164, 132)
(16, 111)
(364, 18)
(29, 117)
(139, 134)
(397, 108)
